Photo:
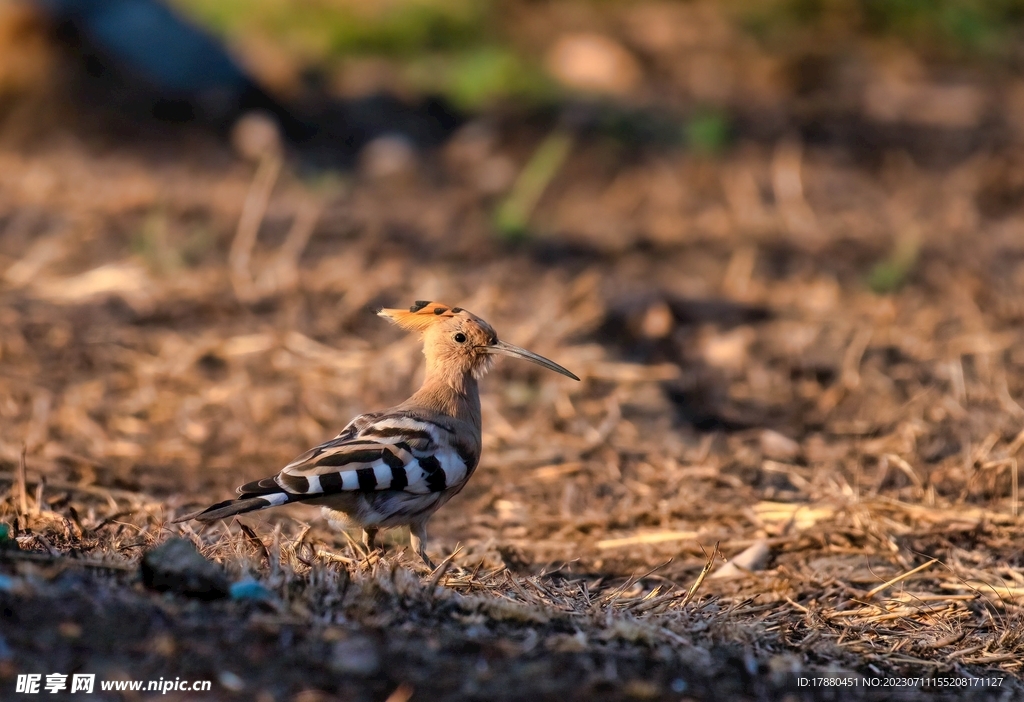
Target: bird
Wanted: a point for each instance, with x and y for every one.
(398, 466)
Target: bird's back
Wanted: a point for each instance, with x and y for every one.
(384, 469)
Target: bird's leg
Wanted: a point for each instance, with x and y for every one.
(370, 539)
(418, 540)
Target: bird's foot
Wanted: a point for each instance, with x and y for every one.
(418, 541)
(426, 560)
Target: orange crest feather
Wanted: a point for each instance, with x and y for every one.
(420, 316)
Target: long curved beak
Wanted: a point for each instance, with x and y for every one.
(500, 347)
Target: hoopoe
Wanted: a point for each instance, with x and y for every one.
(398, 466)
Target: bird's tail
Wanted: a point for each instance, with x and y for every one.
(244, 503)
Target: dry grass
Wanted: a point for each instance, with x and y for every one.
(740, 387)
(174, 322)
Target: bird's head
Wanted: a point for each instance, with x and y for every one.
(457, 342)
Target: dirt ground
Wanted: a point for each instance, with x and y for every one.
(805, 349)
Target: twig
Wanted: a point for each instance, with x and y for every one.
(441, 570)
(22, 487)
(649, 604)
(253, 211)
(632, 579)
(964, 652)
(900, 578)
(850, 375)
(985, 660)
(797, 605)
(649, 538)
(514, 213)
(700, 578)
(945, 641)
(297, 541)
(47, 545)
(906, 468)
(334, 557)
(40, 489)
(282, 273)
(1015, 488)
(250, 535)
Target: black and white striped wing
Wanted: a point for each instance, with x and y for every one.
(391, 453)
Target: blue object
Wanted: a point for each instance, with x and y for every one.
(249, 589)
(159, 57)
(147, 39)
(142, 56)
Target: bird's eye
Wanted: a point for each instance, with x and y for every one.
(460, 338)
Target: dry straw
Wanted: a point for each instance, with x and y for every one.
(885, 499)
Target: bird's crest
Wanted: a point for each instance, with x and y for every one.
(420, 316)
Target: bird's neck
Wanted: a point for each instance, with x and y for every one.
(451, 394)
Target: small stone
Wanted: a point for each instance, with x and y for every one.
(230, 681)
(355, 656)
(387, 157)
(177, 566)
(163, 645)
(564, 643)
(658, 321)
(70, 630)
(593, 63)
(784, 665)
(495, 175)
(777, 446)
(754, 558)
(728, 350)
(471, 145)
(256, 134)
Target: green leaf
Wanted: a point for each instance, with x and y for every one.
(707, 133)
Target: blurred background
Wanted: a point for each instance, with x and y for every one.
(936, 78)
